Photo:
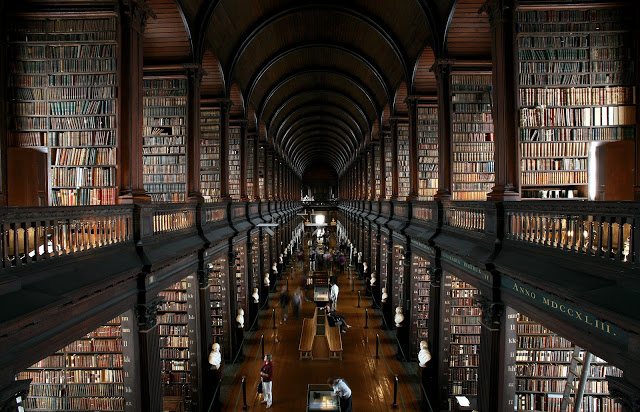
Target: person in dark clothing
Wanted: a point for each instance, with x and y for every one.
(284, 304)
(336, 319)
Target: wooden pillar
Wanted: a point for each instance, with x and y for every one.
(271, 162)
(147, 354)
(434, 340)
(404, 332)
(636, 47)
(130, 170)
(496, 371)
(256, 165)
(232, 299)
(243, 161)
(388, 310)
(372, 177)
(442, 69)
(275, 177)
(206, 332)
(194, 80)
(412, 105)
(505, 99)
(224, 150)
(267, 187)
(383, 165)
(394, 157)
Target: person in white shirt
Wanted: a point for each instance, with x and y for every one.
(342, 390)
(333, 296)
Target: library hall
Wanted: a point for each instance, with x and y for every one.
(320, 205)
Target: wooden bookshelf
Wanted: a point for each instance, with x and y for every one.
(249, 164)
(62, 88)
(463, 335)
(472, 135)
(377, 171)
(420, 285)
(178, 348)
(384, 263)
(241, 277)
(397, 291)
(261, 171)
(164, 138)
(234, 163)
(218, 296)
(370, 186)
(542, 366)
(84, 375)
(210, 153)
(576, 90)
(254, 270)
(428, 164)
(388, 167)
(404, 178)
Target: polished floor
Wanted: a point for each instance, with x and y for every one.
(371, 379)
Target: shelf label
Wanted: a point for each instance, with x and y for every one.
(565, 310)
(467, 267)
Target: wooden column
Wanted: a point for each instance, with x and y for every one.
(412, 105)
(372, 177)
(130, 170)
(387, 309)
(267, 188)
(194, 80)
(442, 69)
(232, 301)
(224, 150)
(404, 332)
(434, 340)
(394, 157)
(243, 161)
(496, 371)
(147, 354)
(270, 160)
(206, 333)
(636, 47)
(275, 179)
(256, 171)
(383, 165)
(4, 102)
(505, 99)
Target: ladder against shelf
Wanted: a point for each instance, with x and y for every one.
(576, 90)
(63, 97)
(543, 362)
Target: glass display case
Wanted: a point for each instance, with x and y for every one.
(320, 398)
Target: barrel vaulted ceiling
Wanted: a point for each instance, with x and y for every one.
(316, 79)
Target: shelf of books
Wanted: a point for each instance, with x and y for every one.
(85, 375)
(388, 168)
(472, 135)
(266, 266)
(218, 292)
(576, 90)
(398, 276)
(177, 345)
(249, 162)
(234, 162)
(210, 153)
(164, 139)
(542, 366)
(404, 178)
(384, 261)
(377, 171)
(241, 276)
(261, 171)
(62, 89)
(370, 185)
(461, 320)
(427, 130)
(420, 284)
(255, 262)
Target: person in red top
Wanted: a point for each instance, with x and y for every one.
(266, 374)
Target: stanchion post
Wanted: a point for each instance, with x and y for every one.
(366, 318)
(262, 345)
(287, 283)
(395, 393)
(244, 394)
(273, 316)
(377, 346)
(358, 298)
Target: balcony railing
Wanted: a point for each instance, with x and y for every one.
(465, 215)
(35, 234)
(603, 229)
(172, 217)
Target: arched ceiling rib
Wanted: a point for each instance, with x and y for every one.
(291, 58)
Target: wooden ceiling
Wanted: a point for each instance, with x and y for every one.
(318, 78)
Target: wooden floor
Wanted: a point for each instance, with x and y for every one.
(370, 379)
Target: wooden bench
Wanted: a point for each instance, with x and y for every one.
(335, 342)
(306, 339)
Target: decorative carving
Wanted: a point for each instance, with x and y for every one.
(442, 67)
(147, 313)
(491, 311)
(624, 393)
(499, 11)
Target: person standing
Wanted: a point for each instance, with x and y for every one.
(297, 302)
(333, 296)
(284, 304)
(266, 374)
(342, 390)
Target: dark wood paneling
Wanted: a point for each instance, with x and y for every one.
(237, 103)
(400, 107)
(165, 37)
(212, 82)
(468, 34)
(424, 80)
